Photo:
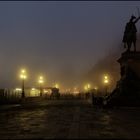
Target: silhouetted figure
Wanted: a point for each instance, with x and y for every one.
(130, 33)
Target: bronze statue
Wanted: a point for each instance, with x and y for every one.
(129, 37)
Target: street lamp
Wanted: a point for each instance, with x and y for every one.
(56, 85)
(40, 81)
(88, 86)
(85, 87)
(106, 81)
(23, 77)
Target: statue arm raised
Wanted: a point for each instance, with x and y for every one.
(137, 20)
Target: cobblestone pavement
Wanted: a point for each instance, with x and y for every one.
(69, 119)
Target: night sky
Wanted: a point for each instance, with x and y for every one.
(60, 40)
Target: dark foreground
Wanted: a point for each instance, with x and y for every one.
(69, 119)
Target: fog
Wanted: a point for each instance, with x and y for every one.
(63, 41)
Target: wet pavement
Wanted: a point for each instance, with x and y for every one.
(69, 119)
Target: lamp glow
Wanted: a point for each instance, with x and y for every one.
(56, 86)
(23, 76)
(41, 81)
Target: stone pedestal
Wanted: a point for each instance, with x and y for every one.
(127, 91)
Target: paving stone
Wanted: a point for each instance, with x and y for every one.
(69, 119)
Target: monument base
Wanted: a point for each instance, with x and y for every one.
(127, 91)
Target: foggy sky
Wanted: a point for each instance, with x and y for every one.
(60, 40)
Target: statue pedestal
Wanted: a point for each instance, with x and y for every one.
(127, 91)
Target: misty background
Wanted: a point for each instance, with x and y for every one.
(67, 42)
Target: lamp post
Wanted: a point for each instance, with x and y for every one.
(41, 81)
(88, 86)
(106, 81)
(56, 85)
(87, 89)
(23, 77)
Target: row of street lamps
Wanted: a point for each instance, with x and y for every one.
(23, 76)
(87, 87)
